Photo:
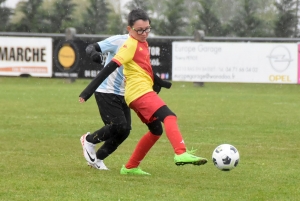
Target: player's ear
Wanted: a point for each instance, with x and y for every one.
(128, 28)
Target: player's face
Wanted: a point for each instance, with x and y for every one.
(140, 30)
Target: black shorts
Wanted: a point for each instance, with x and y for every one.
(113, 109)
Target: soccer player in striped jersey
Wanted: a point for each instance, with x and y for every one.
(139, 95)
(113, 109)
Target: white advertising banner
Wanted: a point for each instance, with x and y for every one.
(235, 62)
(24, 55)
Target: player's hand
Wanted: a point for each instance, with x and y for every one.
(96, 57)
(156, 88)
(81, 100)
(166, 84)
(160, 82)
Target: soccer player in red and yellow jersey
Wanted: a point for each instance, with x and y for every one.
(139, 95)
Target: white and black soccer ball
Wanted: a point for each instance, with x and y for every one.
(225, 157)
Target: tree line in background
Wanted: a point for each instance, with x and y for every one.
(241, 18)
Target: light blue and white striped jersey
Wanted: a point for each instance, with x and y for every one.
(114, 83)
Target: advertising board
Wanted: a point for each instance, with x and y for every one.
(25, 55)
(235, 62)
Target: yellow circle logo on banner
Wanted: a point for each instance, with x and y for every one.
(66, 56)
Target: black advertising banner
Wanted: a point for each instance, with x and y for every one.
(71, 61)
(161, 58)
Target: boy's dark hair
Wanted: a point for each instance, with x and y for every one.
(137, 14)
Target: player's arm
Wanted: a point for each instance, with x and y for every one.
(94, 52)
(104, 73)
(159, 83)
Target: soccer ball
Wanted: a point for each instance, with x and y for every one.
(225, 157)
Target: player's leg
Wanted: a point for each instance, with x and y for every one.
(142, 148)
(118, 132)
(144, 107)
(182, 157)
(119, 136)
(116, 115)
(165, 115)
(111, 111)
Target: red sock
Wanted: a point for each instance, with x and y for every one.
(141, 149)
(174, 135)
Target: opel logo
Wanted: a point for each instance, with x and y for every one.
(280, 58)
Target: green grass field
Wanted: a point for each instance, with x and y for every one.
(41, 156)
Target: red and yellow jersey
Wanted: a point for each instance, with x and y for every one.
(135, 58)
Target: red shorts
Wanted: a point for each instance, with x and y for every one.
(146, 105)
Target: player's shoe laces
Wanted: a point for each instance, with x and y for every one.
(99, 164)
(192, 151)
(88, 149)
(133, 171)
(187, 158)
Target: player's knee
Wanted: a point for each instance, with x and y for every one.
(118, 138)
(121, 128)
(156, 129)
(122, 135)
(116, 127)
